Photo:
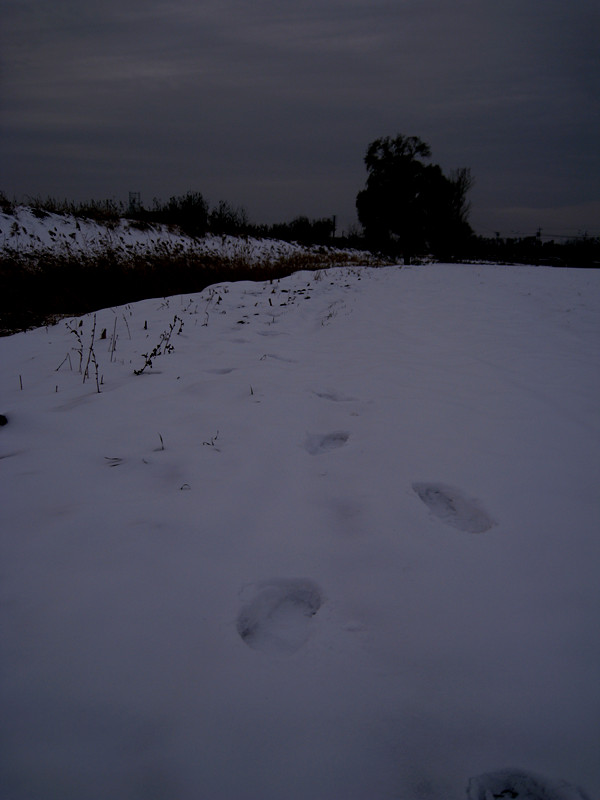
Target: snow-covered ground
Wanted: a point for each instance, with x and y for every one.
(27, 232)
(339, 542)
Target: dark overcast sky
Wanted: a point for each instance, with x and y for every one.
(270, 104)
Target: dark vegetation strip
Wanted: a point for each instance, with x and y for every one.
(38, 289)
(40, 286)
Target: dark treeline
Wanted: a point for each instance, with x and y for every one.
(580, 251)
(193, 215)
(408, 210)
(411, 209)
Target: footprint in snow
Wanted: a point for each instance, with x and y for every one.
(319, 443)
(516, 784)
(452, 507)
(277, 619)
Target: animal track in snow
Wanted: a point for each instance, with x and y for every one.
(278, 617)
(113, 462)
(319, 443)
(516, 784)
(335, 397)
(278, 358)
(453, 508)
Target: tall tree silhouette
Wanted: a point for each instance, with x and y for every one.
(410, 207)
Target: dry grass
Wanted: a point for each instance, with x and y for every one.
(40, 287)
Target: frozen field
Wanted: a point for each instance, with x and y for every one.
(339, 542)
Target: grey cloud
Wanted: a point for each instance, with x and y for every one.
(273, 104)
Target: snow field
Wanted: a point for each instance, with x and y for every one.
(341, 542)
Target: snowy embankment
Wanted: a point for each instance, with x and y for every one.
(52, 265)
(339, 541)
(29, 232)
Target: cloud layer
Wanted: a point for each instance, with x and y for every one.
(272, 105)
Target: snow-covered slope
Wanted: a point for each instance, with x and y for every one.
(340, 541)
(26, 231)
